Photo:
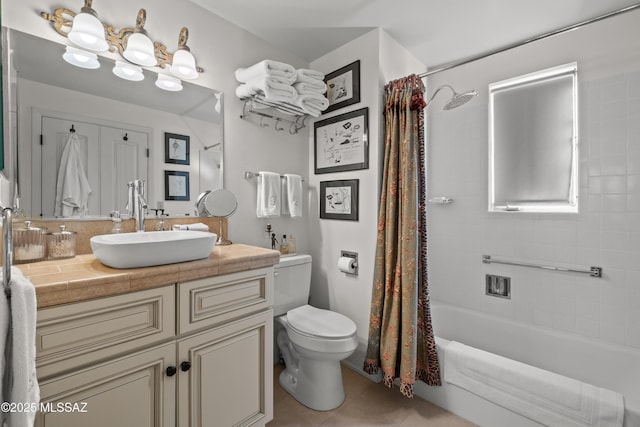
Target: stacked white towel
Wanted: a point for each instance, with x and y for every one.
(280, 71)
(281, 86)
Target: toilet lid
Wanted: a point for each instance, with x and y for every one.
(320, 323)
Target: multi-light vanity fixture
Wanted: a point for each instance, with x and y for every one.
(89, 36)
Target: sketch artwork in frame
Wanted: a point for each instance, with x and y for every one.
(176, 185)
(339, 199)
(341, 142)
(343, 86)
(176, 148)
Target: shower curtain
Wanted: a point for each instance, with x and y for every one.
(401, 340)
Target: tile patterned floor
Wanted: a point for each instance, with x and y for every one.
(366, 404)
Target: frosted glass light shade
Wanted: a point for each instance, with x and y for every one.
(184, 65)
(128, 71)
(88, 33)
(140, 50)
(81, 58)
(168, 83)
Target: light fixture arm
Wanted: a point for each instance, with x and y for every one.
(140, 21)
(182, 39)
(438, 90)
(62, 19)
(88, 9)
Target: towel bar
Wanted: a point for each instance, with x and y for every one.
(592, 271)
(251, 175)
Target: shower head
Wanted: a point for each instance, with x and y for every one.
(457, 100)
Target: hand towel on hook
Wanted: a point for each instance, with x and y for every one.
(269, 195)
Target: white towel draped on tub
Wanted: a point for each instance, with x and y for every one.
(543, 396)
(18, 345)
(269, 195)
(72, 188)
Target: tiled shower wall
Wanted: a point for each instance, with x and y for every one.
(605, 233)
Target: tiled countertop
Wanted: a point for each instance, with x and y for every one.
(84, 277)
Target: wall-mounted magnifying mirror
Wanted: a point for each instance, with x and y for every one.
(218, 204)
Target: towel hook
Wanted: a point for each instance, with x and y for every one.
(263, 124)
(279, 129)
(73, 129)
(125, 137)
(293, 129)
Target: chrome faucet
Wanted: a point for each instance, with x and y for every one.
(137, 205)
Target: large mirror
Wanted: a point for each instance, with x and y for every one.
(120, 129)
(533, 142)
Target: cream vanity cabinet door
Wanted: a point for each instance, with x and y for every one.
(226, 376)
(131, 391)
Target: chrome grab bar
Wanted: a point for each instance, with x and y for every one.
(592, 271)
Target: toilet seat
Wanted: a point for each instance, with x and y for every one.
(318, 323)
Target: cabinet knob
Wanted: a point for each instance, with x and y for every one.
(171, 371)
(185, 366)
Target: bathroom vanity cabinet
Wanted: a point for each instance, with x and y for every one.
(196, 353)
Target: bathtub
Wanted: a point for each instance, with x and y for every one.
(613, 367)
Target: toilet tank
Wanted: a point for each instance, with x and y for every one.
(292, 283)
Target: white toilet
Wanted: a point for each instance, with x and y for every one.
(311, 341)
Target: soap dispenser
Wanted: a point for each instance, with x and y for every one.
(117, 222)
(284, 245)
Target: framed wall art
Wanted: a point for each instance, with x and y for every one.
(339, 199)
(176, 185)
(176, 148)
(343, 86)
(341, 142)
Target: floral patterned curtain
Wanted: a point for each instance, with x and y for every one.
(400, 332)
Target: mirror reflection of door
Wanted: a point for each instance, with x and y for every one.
(109, 162)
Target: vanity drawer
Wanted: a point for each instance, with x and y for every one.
(215, 300)
(78, 334)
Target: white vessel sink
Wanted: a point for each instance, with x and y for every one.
(132, 250)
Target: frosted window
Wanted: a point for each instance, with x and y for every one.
(533, 142)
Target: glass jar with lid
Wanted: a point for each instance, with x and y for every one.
(61, 244)
(28, 243)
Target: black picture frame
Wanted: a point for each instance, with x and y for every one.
(339, 199)
(341, 143)
(176, 148)
(343, 86)
(176, 185)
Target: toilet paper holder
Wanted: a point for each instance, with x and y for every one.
(354, 256)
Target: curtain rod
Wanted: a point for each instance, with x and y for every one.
(531, 40)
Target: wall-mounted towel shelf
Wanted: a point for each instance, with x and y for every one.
(592, 271)
(251, 175)
(295, 122)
